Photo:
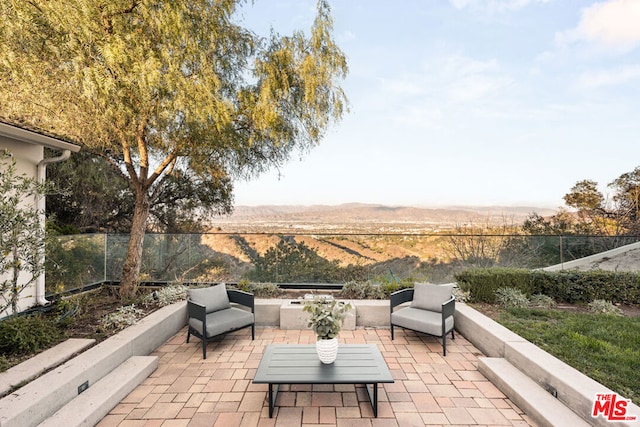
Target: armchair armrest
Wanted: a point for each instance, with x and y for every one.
(240, 297)
(197, 311)
(448, 307)
(400, 297)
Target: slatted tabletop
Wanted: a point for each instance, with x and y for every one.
(299, 364)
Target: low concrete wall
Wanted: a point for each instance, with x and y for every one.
(267, 312)
(372, 313)
(488, 336)
(288, 314)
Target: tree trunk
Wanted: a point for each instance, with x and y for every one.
(133, 260)
(16, 276)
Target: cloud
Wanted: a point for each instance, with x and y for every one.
(347, 36)
(494, 5)
(472, 80)
(610, 25)
(417, 116)
(621, 75)
(453, 78)
(444, 87)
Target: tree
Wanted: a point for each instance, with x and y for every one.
(627, 199)
(482, 246)
(94, 197)
(22, 236)
(591, 208)
(563, 236)
(585, 195)
(167, 88)
(595, 224)
(295, 262)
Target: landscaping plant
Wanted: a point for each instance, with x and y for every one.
(327, 316)
(604, 307)
(511, 298)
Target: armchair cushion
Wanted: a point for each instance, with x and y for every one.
(222, 321)
(421, 320)
(214, 298)
(431, 297)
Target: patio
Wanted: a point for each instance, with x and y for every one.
(429, 389)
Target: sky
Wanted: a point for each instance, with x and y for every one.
(466, 102)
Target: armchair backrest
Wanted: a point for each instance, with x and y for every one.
(214, 298)
(431, 297)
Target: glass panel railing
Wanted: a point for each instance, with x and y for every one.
(76, 261)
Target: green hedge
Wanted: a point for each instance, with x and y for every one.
(562, 286)
(482, 283)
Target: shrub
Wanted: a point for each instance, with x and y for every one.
(460, 295)
(260, 290)
(565, 286)
(511, 298)
(66, 310)
(165, 296)
(541, 301)
(604, 307)
(4, 363)
(391, 285)
(482, 283)
(27, 334)
(367, 290)
(122, 318)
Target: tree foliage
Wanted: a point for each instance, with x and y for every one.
(168, 89)
(627, 199)
(484, 245)
(592, 212)
(594, 221)
(22, 236)
(294, 262)
(94, 197)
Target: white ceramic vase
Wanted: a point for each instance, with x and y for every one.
(327, 350)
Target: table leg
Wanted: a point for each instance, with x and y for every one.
(273, 394)
(373, 397)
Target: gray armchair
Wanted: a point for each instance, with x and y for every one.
(211, 313)
(430, 312)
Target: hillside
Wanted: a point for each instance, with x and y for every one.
(368, 218)
(379, 238)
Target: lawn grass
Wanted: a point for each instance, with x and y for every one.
(602, 346)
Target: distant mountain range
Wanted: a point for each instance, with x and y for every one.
(371, 217)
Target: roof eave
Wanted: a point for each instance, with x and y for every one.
(31, 137)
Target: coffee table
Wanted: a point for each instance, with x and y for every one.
(299, 364)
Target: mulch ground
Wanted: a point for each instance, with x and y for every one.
(90, 310)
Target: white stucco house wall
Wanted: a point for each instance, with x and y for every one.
(27, 149)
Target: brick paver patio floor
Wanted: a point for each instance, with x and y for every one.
(429, 389)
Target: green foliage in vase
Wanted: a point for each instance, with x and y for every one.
(327, 316)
